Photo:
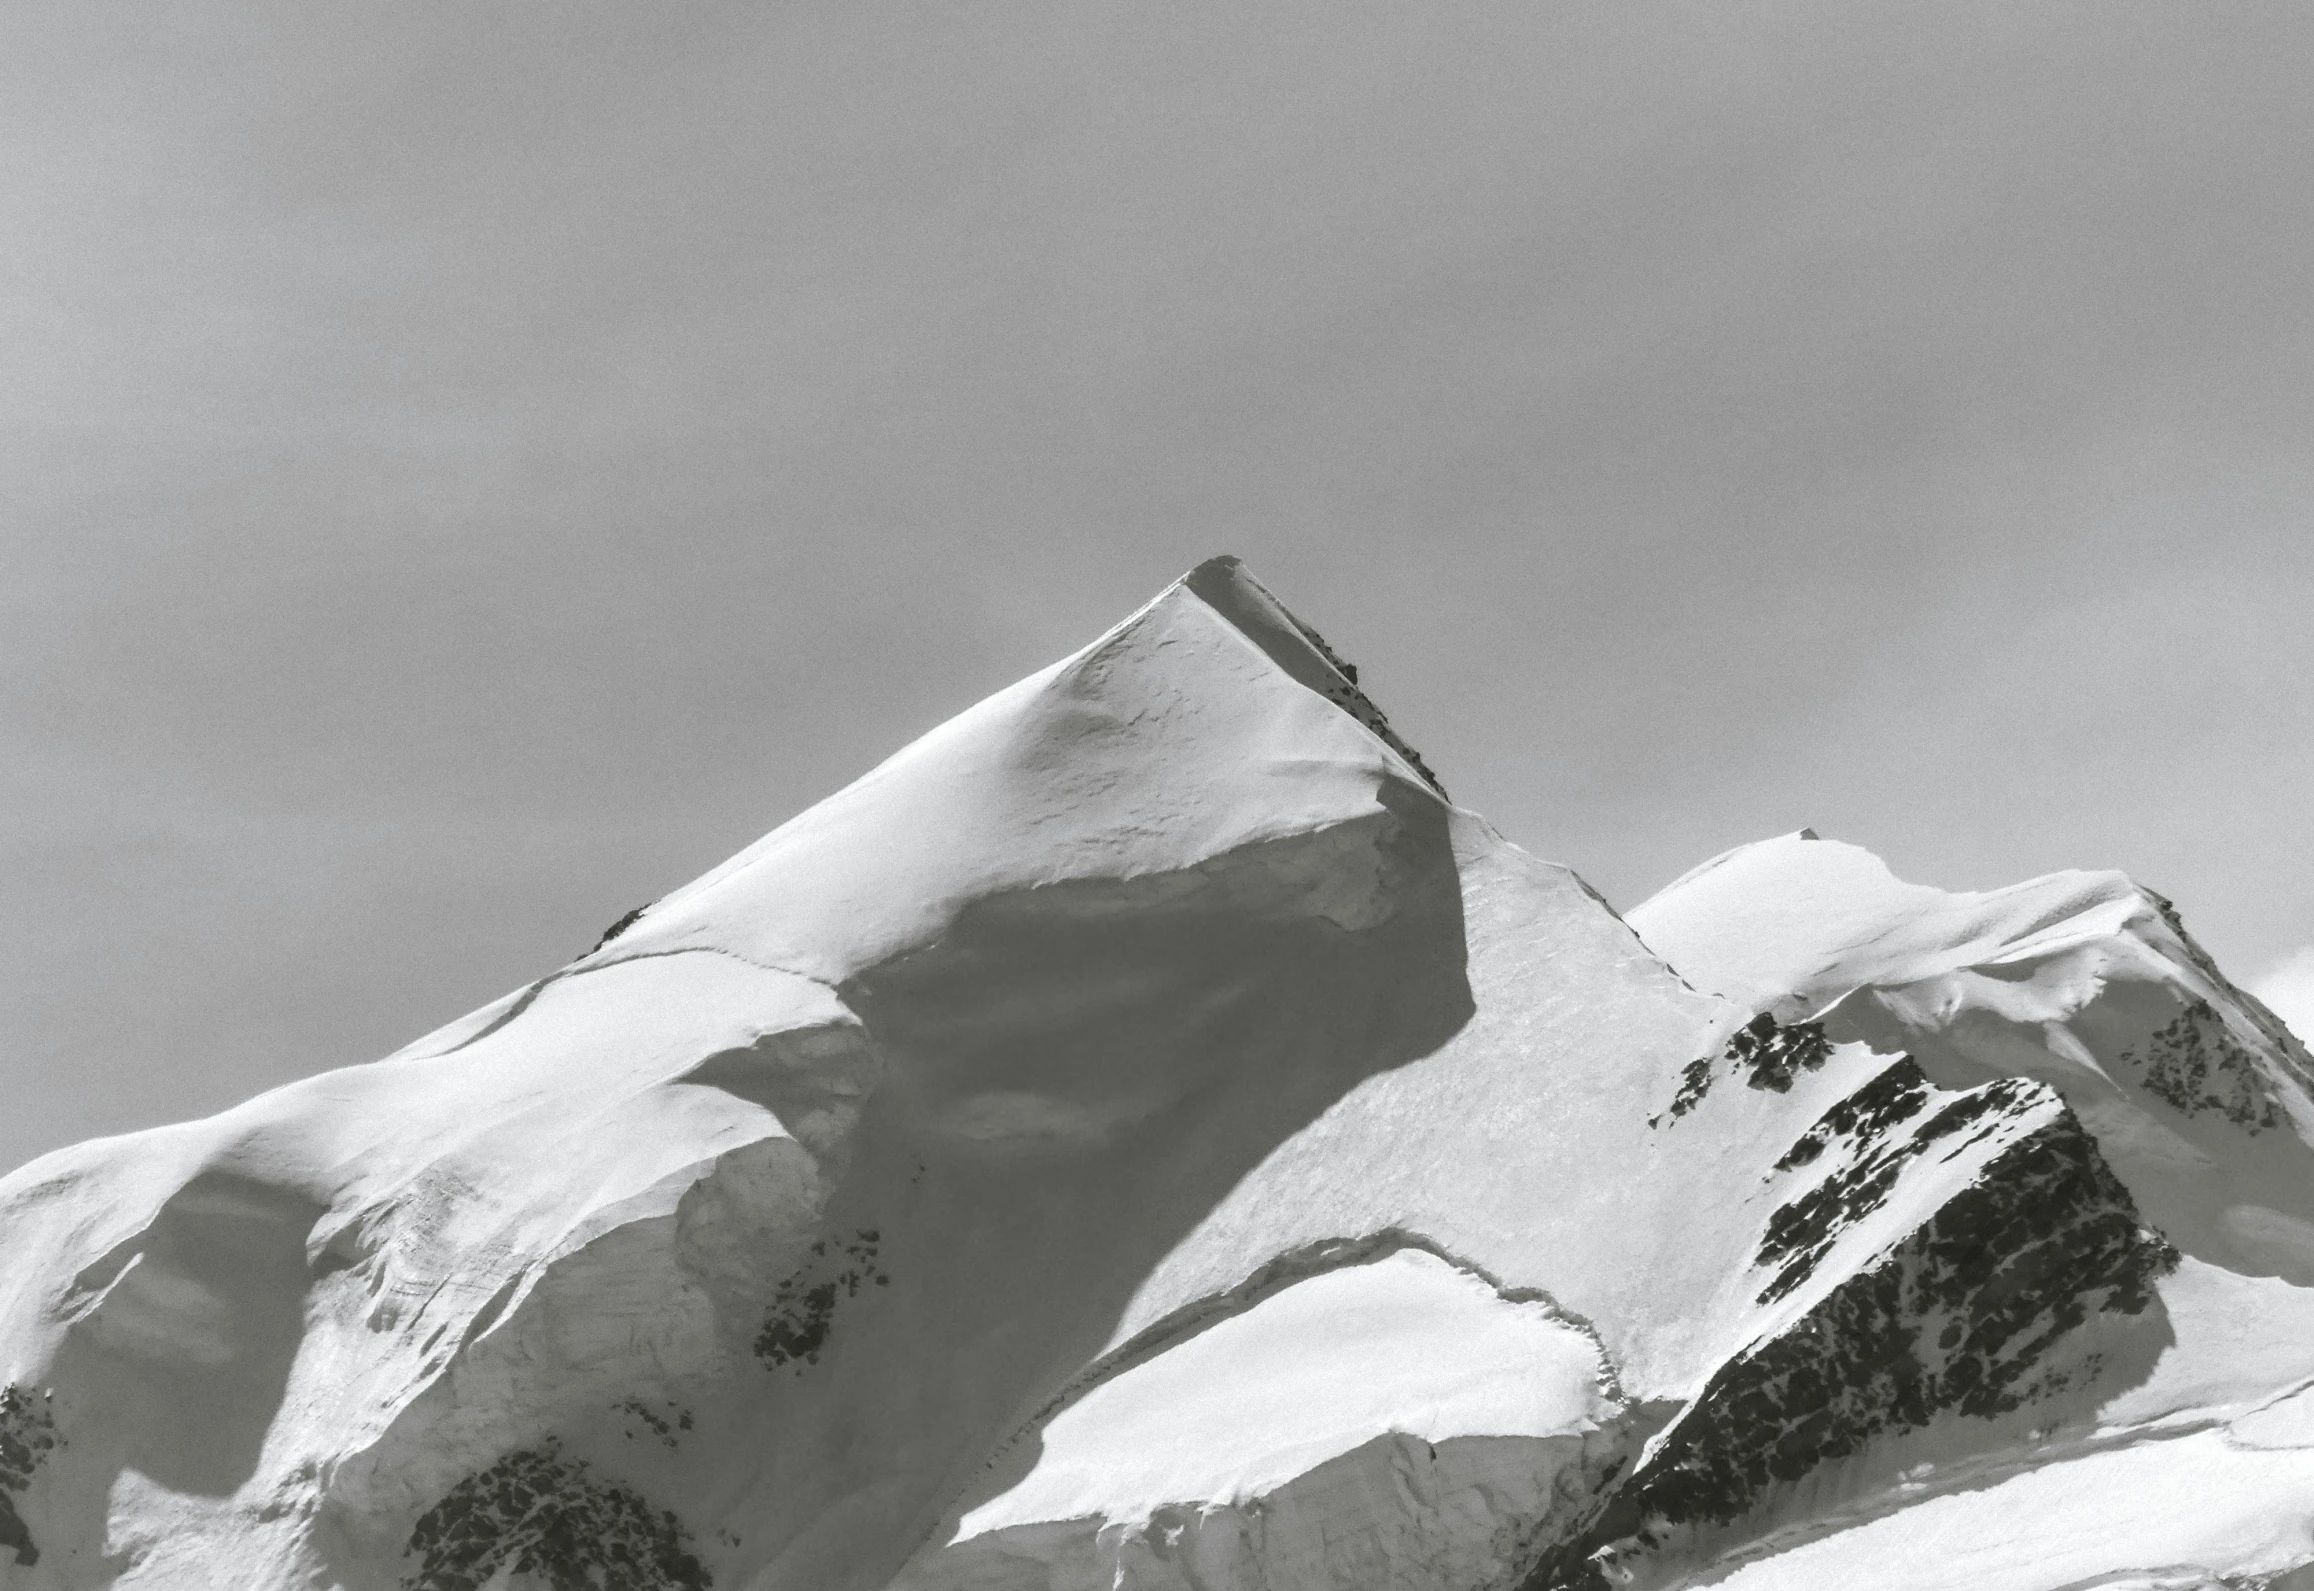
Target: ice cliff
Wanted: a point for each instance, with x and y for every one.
(1143, 1137)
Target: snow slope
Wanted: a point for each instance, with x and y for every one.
(2085, 987)
(1143, 1136)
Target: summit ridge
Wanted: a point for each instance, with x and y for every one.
(1142, 1136)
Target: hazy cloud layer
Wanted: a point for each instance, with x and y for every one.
(470, 468)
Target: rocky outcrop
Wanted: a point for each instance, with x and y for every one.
(2196, 1067)
(1765, 1053)
(27, 1437)
(1977, 1312)
(534, 1513)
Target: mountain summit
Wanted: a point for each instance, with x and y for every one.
(1143, 1137)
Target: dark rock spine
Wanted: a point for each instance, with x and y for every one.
(1964, 1317)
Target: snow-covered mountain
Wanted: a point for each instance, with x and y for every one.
(1143, 1137)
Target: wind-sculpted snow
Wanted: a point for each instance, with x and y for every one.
(1142, 1138)
(1300, 650)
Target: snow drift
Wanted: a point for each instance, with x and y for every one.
(1144, 1136)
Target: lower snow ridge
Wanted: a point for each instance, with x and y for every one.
(1394, 1422)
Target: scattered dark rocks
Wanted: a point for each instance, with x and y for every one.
(1895, 1095)
(803, 1310)
(1360, 706)
(543, 1515)
(1768, 1053)
(1772, 1054)
(2195, 1066)
(1694, 1083)
(658, 1424)
(27, 1437)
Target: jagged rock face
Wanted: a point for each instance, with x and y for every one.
(1979, 1311)
(532, 1514)
(1763, 1052)
(1142, 1137)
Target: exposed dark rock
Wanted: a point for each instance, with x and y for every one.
(659, 1424)
(1768, 1053)
(803, 1310)
(543, 1515)
(1694, 1083)
(1360, 706)
(27, 1437)
(1960, 1318)
(619, 927)
(1772, 1054)
(1803, 1230)
(1893, 1096)
(1263, 620)
(2196, 1067)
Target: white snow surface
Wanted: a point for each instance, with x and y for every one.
(2145, 1516)
(1404, 1344)
(1141, 1136)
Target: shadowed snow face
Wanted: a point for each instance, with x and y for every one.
(1075, 1076)
(184, 1336)
(1065, 1018)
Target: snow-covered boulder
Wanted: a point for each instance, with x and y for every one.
(1144, 1137)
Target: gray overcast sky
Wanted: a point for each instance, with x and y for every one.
(466, 468)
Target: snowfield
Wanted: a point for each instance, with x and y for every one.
(1143, 1137)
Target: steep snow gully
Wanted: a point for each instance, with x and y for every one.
(1143, 1137)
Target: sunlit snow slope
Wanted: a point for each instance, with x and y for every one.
(1142, 1136)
